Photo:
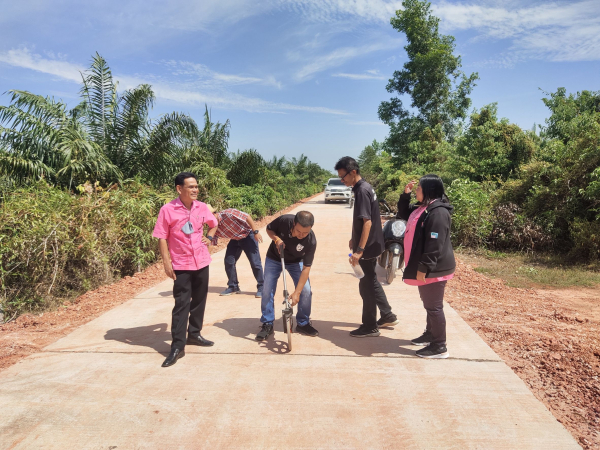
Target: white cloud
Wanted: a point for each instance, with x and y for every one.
(553, 31)
(337, 10)
(27, 60)
(177, 92)
(370, 75)
(338, 57)
(201, 74)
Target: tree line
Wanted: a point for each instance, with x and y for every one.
(528, 190)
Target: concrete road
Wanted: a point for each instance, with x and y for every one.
(102, 387)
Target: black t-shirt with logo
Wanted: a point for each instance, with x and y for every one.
(296, 250)
(366, 206)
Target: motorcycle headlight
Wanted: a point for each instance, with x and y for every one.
(398, 228)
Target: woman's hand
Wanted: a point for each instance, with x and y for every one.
(409, 187)
(421, 276)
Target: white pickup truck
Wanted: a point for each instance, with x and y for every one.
(335, 190)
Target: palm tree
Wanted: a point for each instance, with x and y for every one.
(108, 137)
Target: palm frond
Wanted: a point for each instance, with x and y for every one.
(163, 151)
(100, 93)
(83, 159)
(19, 168)
(130, 120)
(46, 109)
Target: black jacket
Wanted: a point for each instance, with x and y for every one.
(431, 251)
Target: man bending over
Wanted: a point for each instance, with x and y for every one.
(295, 235)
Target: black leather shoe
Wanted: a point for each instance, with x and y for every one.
(199, 340)
(173, 357)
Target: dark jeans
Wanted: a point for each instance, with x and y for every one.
(372, 294)
(432, 296)
(188, 285)
(234, 250)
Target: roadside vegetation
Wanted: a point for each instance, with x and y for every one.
(535, 192)
(80, 188)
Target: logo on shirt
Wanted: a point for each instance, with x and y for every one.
(434, 235)
(299, 247)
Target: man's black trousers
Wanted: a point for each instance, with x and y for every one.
(372, 294)
(190, 290)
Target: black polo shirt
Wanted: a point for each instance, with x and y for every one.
(296, 250)
(366, 206)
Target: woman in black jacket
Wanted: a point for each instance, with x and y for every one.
(429, 258)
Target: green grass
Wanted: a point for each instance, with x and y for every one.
(531, 270)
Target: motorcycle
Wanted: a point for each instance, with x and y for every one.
(392, 257)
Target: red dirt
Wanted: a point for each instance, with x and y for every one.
(30, 333)
(548, 337)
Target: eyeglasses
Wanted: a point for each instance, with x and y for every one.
(347, 173)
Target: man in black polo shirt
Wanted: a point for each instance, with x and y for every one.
(298, 239)
(367, 244)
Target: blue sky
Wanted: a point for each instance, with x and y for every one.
(295, 76)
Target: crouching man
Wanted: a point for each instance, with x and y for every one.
(295, 234)
(185, 256)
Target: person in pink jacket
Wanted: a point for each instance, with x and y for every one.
(184, 250)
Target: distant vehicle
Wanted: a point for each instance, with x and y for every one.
(335, 190)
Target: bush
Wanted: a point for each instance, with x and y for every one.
(512, 230)
(56, 244)
(586, 240)
(472, 216)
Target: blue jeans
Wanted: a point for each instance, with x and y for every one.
(234, 250)
(272, 272)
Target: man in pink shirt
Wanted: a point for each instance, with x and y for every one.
(183, 247)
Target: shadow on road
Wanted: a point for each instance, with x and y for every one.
(247, 328)
(155, 337)
(335, 332)
(338, 334)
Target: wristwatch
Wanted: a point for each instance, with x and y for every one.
(255, 231)
(359, 249)
(210, 238)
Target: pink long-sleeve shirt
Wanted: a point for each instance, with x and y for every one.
(188, 252)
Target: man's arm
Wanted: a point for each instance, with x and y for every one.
(250, 222)
(166, 258)
(363, 241)
(278, 241)
(295, 297)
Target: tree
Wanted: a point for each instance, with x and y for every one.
(247, 168)
(492, 148)
(106, 138)
(367, 161)
(438, 89)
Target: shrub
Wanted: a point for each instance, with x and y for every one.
(513, 230)
(472, 216)
(56, 244)
(586, 240)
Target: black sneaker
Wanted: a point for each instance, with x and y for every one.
(387, 321)
(265, 332)
(434, 351)
(307, 330)
(361, 332)
(424, 339)
(230, 291)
